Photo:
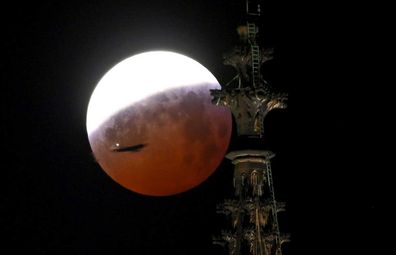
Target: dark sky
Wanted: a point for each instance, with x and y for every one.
(57, 200)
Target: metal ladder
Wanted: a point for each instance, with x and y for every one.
(255, 54)
(274, 209)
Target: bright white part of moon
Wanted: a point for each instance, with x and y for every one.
(139, 77)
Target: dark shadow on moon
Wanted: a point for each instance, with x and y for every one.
(184, 130)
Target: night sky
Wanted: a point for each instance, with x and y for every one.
(57, 200)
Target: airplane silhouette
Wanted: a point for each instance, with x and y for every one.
(134, 148)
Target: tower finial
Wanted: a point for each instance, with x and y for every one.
(253, 211)
(248, 95)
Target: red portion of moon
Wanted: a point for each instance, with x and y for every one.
(186, 137)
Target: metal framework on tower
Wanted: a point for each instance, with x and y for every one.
(253, 210)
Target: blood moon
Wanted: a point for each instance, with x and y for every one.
(151, 124)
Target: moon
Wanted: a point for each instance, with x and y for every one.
(152, 127)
